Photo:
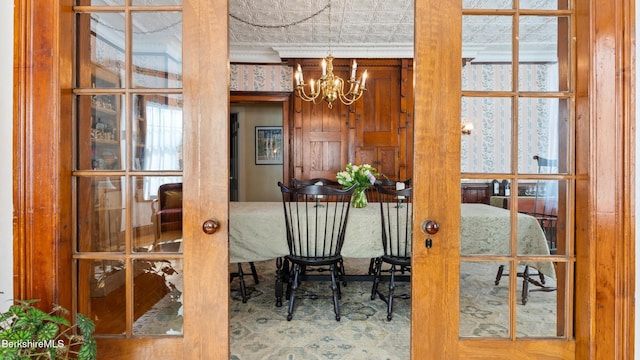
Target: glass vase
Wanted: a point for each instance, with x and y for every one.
(359, 198)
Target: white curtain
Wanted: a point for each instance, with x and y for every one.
(163, 145)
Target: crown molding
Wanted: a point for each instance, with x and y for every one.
(253, 54)
(275, 54)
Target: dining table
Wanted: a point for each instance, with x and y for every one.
(257, 233)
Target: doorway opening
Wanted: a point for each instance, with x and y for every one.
(254, 178)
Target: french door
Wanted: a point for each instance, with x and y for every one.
(149, 104)
(117, 179)
(527, 120)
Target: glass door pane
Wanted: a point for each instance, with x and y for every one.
(128, 173)
(517, 180)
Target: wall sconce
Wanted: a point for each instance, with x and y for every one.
(466, 128)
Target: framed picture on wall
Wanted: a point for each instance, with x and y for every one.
(268, 145)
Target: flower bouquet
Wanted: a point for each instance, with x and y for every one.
(363, 176)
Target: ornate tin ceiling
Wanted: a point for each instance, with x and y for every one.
(269, 30)
(312, 28)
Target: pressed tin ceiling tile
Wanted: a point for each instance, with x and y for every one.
(276, 29)
(373, 28)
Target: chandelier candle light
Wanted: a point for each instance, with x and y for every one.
(330, 86)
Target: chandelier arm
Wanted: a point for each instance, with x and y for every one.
(352, 95)
(349, 100)
(303, 94)
(354, 86)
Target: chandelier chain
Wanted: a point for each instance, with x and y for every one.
(158, 30)
(281, 26)
(331, 87)
(330, 32)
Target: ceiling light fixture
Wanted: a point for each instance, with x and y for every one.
(331, 87)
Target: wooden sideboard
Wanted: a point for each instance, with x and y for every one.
(475, 192)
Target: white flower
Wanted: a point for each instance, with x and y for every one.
(372, 179)
(361, 175)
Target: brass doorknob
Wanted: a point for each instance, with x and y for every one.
(430, 227)
(210, 226)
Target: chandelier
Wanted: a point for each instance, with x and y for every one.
(331, 87)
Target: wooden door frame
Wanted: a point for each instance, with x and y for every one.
(42, 153)
(605, 169)
(605, 232)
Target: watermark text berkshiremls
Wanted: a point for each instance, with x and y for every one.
(32, 344)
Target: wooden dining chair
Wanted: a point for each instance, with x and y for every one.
(316, 219)
(297, 183)
(315, 181)
(546, 212)
(386, 182)
(396, 221)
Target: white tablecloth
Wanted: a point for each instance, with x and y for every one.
(486, 230)
(257, 233)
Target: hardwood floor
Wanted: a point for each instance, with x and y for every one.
(108, 312)
(109, 303)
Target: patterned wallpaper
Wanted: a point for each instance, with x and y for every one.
(487, 149)
(249, 77)
(109, 56)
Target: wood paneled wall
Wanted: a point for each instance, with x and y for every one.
(376, 130)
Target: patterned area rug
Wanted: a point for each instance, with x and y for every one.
(484, 306)
(259, 329)
(164, 318)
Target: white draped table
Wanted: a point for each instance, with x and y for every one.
(257, 233)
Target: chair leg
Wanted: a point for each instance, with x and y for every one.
(392, 288)
(377, 268)
(336, 292)
(372, 266)
(525, 285)
(499, 275)
(254, 272)
(342, 273)
(292, 290)
(243, 288)
(291, 274)
(240, 276)
(279, 278)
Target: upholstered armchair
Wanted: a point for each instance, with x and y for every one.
(167, 209)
